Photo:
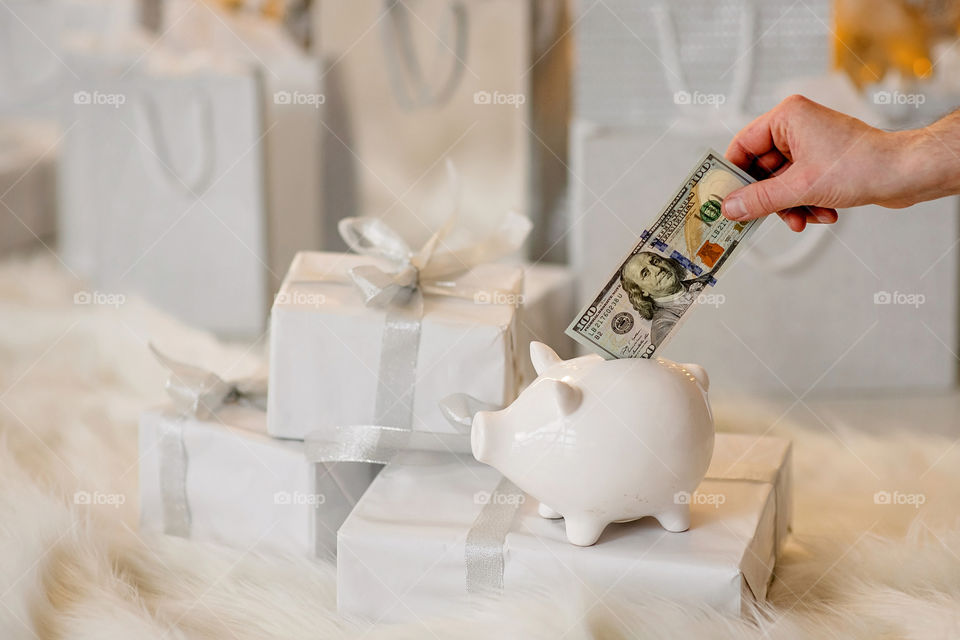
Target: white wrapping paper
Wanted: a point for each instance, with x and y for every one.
(401, 550)
(246, 489)
(325, 347)
(548, 305)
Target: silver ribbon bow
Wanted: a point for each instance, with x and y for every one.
(196, 393)
(432, 270)
(199, 393)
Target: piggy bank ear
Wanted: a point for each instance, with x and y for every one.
(699, 373)
(542, 357)
(567, 396)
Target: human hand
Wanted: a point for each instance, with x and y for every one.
(811, 160)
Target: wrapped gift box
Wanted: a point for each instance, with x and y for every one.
(548, 305)
(401, 552)
(242, 487)
(325, 347)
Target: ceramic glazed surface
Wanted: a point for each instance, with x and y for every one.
(599, 441)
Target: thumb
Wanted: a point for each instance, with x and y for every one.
(761, 198)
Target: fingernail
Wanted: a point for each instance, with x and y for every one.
(733, 207)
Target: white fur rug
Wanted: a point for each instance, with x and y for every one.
(74, 377)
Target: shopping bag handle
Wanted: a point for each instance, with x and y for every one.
(411, 88)
(669, 46)
(155, 151)
(25, 86)
(799, 253)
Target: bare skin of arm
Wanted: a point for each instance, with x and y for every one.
(812, 160)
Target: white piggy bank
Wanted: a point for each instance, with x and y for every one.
(599, 441)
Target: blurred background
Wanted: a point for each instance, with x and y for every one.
(181, 151)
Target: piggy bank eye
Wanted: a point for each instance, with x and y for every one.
(567, 396)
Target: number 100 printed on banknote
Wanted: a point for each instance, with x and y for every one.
(678, 256)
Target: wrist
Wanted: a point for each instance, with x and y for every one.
(927, 163)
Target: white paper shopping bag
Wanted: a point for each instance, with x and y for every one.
(34, 72)
(413, 83)
(162, 191)
(644, 61)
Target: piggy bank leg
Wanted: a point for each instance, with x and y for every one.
(676, 518)
(584, 531)
(547, 512)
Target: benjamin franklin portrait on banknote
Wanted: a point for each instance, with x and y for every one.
(657, 291)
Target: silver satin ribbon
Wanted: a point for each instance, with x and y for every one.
(483, 554)
(357, 443)
(196, 393)
(397, 376)
(173, 480)
(379, 443)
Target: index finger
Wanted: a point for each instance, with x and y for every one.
(751, 142)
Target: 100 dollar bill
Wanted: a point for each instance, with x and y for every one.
(678, 257)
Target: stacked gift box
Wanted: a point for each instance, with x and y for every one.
(233, 463)
(365, 348)
(352, 453)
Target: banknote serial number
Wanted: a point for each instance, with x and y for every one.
(608, 310)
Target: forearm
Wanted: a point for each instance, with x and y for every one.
(927, 165)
